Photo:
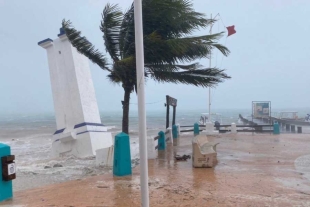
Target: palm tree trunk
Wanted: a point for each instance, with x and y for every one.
(125, 122)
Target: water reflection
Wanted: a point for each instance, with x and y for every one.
(124, 188)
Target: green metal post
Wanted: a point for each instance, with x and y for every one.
(161, 141)
(6, 189)
(276, 128)
(196, 129)
(175, 132)
(122, 157)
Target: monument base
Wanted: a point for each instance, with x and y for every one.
(105, 157)
(82, 145)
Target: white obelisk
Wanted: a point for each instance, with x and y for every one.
(79, 128)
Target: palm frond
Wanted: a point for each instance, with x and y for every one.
(172, 67)
(112, 18)
(205, 43)
(158, 50)
(168, 47)
(193, 66)
(223, 49)
(114, 78)
(205, 77)
(84, 46)
(171, 18)
(127, 34)
(125, 69)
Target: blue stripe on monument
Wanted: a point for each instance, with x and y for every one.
(89, 131)
(59, 131)
(87, 124)
(46, 40)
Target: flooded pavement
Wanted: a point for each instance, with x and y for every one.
(252, 170)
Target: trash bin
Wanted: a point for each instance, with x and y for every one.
(276, 128)
(8, 172)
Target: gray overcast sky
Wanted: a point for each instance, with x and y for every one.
(269, 54)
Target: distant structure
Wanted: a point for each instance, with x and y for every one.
(79, 128)
(170, 102)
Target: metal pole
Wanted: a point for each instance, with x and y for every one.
(209, 87)
(168, 112)
(174, 113)
(141, 103)
(253, 109)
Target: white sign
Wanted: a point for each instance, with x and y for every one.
(11, 169)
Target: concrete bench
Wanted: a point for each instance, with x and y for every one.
(204, 152)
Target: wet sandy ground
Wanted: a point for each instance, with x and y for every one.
(259, 170)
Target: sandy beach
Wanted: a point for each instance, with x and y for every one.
(259, 170)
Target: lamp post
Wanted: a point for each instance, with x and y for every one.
(141, 103)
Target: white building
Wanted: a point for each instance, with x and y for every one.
(79, 128)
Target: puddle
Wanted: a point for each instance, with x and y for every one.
(302, 165)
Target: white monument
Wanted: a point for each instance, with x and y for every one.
(79, 128)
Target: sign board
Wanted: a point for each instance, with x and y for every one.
(8, 168)
(261, 109)
(172, 101)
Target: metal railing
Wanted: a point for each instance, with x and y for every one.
(253, 128)
(157, 137)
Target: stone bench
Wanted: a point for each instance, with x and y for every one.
(204, 152)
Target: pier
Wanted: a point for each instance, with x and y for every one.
(286, 125)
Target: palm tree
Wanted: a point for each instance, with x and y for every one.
(168, 46)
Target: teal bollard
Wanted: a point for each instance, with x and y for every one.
(175, 132)
(161, 141)
(196, 129)
(6, 189)
(276, 128)
(122, 157)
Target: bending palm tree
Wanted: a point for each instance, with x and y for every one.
(167, 46)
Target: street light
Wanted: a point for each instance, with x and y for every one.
(141, 103)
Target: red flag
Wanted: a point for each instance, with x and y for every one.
(231, 30)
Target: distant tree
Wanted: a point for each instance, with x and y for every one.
(168, 46)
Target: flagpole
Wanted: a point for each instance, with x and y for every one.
(141, 103)
(210, 67)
